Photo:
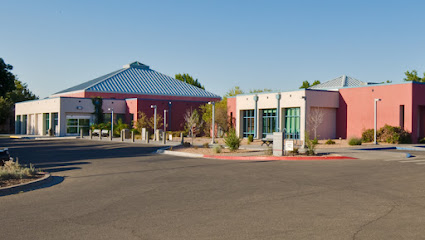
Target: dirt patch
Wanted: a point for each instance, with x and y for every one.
(11, 182)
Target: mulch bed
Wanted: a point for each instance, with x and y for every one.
(11, 182)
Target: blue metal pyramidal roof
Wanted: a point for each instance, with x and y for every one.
(138, 78)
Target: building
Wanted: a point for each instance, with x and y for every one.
(127, 91)
(347, 106)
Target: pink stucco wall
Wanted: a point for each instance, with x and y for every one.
(231, 110)
(356, 108)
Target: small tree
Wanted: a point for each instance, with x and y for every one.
(193, 123)
(315, 119)
(159, 122)
(142, 121)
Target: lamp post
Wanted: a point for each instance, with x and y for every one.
(112, 122)
(165, 120)
(305, 120)
(213, 121)
(374, 130)
(154, 120)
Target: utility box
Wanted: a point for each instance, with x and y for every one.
(278, 144)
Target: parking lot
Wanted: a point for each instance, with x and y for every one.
(122, 191)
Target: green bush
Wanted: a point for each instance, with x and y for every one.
(294, 152)
(330, 142)
(269, 151)
(355, 141)
(206, 145)
(390, 134)
(14, 170)
(217, 149)
(311, 145)
(315, 141)
(421, 140)
(250, 139)
(232, 141)
(368, 135)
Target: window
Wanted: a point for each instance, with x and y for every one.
(18, 124)
(55, 123)
(46, 118)
(292, 123)
(24, 124)
(248, 123)
(269, 121)
(75, 125)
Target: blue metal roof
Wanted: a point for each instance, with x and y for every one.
(340, 82)
(137, 78)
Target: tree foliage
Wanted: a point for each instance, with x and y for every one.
(221, 118)
(193, 123)
(234, 91)
(413, 77)
(19, 93)
(7, 79)
(189, 79)
(306, 84)
(98, 110)
(260, 90)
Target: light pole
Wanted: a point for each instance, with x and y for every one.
(154, 120)
(213, 121)
(305, 120)
(112, 122)
(165, 120)
(374, 130)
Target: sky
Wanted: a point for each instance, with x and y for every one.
(54, 45)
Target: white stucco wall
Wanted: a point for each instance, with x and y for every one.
(64, 107)
(314, 98)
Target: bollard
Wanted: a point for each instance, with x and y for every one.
(100, 135)
(122, 135)
(90, 134)
(182, 137)
(164, 138)
(81, 133)
(111, 135)
(147, 137)
(132, 136)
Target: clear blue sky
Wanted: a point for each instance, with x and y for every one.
(54, 45)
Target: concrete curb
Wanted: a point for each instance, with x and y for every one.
(25, 186)
(256, 158)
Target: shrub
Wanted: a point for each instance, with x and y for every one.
(232, 141)
(330, 142)
(14, 170)
(315, 141)
(311, 145)
(390, 134)
(206, 145)
(269, 151)
(186, 144)
(250, 139)
(217, 149)
(294, 152)
(368, 135)
(355, 141)
(421, 140)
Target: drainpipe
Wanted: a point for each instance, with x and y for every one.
(255, 115)
(278, 97)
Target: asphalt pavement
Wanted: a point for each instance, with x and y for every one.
(123, 191)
